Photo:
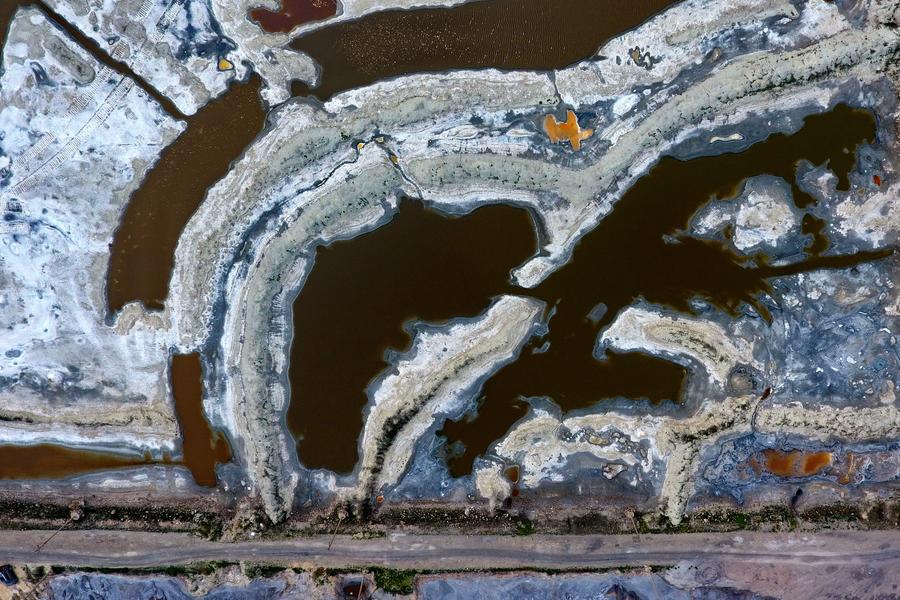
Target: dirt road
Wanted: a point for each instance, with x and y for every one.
(454, 552)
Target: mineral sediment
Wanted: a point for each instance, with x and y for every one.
(704, 77)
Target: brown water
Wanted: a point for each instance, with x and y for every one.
(502, 34)
(8, 10)
(433, 267)
(292, 13)
(815, 227)
(539, 34)
(143, 249)
(51, 461)
(422, 265)
(202, 448)
(640, 251)
(652, 259)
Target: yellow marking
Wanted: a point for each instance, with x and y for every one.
(225, 64)
(569, 130)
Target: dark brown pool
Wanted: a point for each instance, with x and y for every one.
(202, 448)
(501, 34)
(142, 253)
(353, 305)
(292, 13)
(641, 251)
(52, 461)
(537, 34)
(432, 267)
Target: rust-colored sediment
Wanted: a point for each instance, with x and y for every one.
(569, 130)
(815, 462)
(292, 14)
(52, 461)
(796, 463)
(202, 448)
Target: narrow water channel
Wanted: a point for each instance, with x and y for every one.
(142, 253)
(52, 461)
(434, 267)
(501, 34)
(8, 9)
(201, 447)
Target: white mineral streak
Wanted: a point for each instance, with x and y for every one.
(66, 375)
(420, 138)
(276, 64)
(731, 93)
(319, 173)
(763, 218)
(705, 342)
(436, 378)
(269, 53)
(683, 439)
(876, 219)
(855, 424)
(124, 435)
(300, 149)
(146, 41)
(535, 444)
(684, 34)
(354, 9)
(258, 322)
(542, 455)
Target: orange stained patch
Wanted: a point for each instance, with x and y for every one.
(815, 462)
(796, 463)
(780, 463)
(876, 179)
(569, 130)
